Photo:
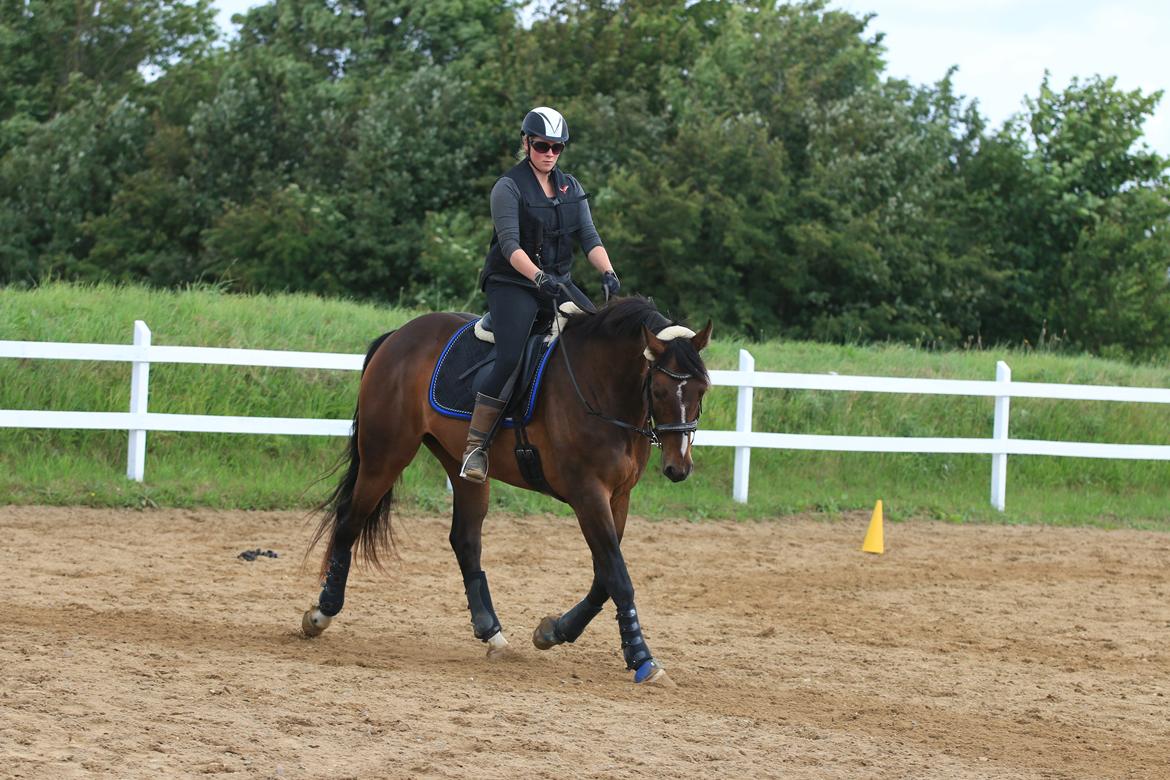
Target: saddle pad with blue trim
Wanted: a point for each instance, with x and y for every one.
(452, 389)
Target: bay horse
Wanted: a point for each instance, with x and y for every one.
(624, 378)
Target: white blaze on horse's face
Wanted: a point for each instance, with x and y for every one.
(676, 395)
(682, 415)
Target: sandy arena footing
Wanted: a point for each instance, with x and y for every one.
(137, 644)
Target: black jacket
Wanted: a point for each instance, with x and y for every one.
(547, 226)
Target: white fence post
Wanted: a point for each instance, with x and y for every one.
(139, 390)
(999, 460)
(743, 424)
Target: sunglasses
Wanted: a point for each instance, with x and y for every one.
(544, 147)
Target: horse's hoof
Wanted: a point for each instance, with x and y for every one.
(505, 653)
(545, 635)
(499, 649)
(652, 673)
(314, 621)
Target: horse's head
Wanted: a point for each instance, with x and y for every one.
(677, 382)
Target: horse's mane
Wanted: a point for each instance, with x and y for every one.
(624, 318)
(621, 317)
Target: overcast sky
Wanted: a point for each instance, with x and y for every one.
(1002, 47)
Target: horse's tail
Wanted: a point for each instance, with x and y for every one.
(375, 532)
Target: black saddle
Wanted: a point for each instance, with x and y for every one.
(464, 366)
(543, 327)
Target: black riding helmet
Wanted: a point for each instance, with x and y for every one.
(547, 123)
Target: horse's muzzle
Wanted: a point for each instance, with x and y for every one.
(675, 473)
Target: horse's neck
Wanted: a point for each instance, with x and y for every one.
(617, 376)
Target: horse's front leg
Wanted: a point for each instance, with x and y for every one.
(558, 629)
(595, 515)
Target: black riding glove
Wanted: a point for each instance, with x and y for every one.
(610, 283)
(546, 285)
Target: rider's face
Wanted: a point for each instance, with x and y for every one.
(543, 161)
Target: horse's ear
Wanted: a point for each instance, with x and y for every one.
(700, 339)
(655, 347)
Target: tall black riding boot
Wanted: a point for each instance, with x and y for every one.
(483, 422)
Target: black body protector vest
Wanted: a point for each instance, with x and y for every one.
(547, 226)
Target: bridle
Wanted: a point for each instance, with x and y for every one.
(649, 429)
(678, 427)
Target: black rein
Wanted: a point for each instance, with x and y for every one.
(649, 430)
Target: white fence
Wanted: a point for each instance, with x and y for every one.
(142, 354)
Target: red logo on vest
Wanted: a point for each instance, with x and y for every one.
(564, 189)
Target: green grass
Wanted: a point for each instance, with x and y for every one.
(226, 470)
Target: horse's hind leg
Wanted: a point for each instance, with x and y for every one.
(469, 509)
(372, 489)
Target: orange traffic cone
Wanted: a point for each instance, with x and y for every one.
(874, 539)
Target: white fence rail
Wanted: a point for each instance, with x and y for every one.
(142, 354)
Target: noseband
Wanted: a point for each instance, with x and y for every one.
(649, 430)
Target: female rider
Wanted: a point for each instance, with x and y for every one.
(537, 212)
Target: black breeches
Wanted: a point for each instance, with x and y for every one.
(514, 310)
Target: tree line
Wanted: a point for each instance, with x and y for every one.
(747, 161)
